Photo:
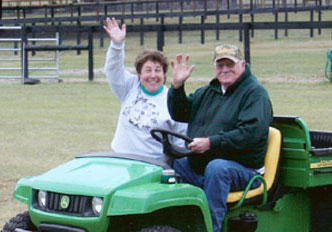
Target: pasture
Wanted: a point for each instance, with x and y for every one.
(48, 124)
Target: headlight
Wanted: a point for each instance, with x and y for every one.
(97, 205)
(42, 198)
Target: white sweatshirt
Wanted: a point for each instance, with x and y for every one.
(139, 112)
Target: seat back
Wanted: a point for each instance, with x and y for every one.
(271, 163)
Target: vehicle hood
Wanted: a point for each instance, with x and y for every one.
(97, 176)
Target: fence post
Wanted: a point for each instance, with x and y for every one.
(160, 35)
(142, 33)
(217, 30)
(202, 30)
(228, 8)
(286, 20)
(132, 11)
(33, 35)
(319, 16)
(78, 36)
(24, 55)
(45, 15)
(311, 20)
(240, 30)
(246, 27)
(52, 14)
(101, 24)
(90, 55)
(276, 25)
(60, 35)
(15, 46)
(71, 11)
(157, 11)
(105, 10)
(18, 12)
(252, 16)
(180, 30)
(24, 14)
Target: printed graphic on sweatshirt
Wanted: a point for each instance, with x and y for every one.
(142, 113)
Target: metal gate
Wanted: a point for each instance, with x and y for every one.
(46, 66)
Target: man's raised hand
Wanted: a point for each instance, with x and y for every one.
(181, 72)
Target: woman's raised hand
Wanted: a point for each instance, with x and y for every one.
(116, 33)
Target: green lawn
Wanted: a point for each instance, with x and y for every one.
(47, 124)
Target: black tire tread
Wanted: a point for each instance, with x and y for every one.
(21, 221)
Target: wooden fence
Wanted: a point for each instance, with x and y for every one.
(15, 3)
(134, 8)
(76, 24)
(161, 28)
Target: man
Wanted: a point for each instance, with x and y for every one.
(229, 120)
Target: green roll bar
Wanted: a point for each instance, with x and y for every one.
(240, 203)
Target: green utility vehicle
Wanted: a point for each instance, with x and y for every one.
(118, 192)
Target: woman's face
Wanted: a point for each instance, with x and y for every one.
(152, 76)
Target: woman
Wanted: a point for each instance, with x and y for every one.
(143, 97)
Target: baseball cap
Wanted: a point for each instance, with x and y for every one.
(227, 51)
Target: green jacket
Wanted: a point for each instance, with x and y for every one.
(236, 122)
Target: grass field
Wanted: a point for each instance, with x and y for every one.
(47, 124)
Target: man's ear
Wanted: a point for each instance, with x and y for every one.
(243, 64)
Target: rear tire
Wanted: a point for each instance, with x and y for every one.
(159, 229)
(20, 221)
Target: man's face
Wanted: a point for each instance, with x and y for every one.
(227, 71)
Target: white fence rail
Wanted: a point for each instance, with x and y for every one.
(12, 63)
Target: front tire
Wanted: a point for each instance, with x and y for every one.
(20, 221)
(159, 229)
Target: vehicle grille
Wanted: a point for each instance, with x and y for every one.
(78, 205)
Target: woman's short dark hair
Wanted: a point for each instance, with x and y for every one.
(153, 55)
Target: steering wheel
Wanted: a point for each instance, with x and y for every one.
(169, 149)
